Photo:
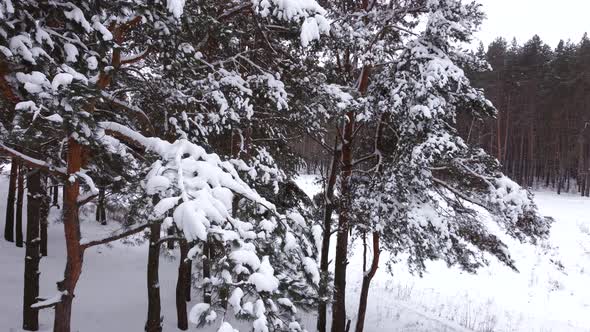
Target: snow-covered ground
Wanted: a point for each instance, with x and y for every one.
(551, 292)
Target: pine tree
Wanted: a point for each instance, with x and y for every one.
(77, 66)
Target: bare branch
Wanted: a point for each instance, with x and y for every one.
(33, 162)
(114, 237)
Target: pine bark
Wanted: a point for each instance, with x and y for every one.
(19, 206)
(362, 310)
(170, 243)
(206, 272)
(341, 260)
(43, 215)
(154, 321)
(189, 280)
(327, 232)
(32, 256)
(10, 201)
(75, 252)
(55, 194)
(181, 288)
(101, 215)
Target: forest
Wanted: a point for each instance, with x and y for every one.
(185, 124)
(543, 98)
(539, 133)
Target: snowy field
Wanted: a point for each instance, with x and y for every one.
(551, 292)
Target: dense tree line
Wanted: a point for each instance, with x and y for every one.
(540, 133)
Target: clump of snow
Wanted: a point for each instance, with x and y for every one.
(92, 62)
(77, 16)
(312, 14)
(106, 34)
(61, 79)
(245, 257)
(312, 28)
(197, 311)
(235, 299)
(311, 268)
(71, 52)
(54, 118)
(157, 184)
(176, 7)
(34, 82)
(226, 327)
(263, 279)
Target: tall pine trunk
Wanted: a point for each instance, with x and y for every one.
(10, 201)
(43, 215)
(344, 219)
(328, 211)
(362, 310)
(75, 252)
(55, 194)
(154, 321)
(339, 304)
(101, 215)
(181, 288)
(206, 272)
(20, 191)
(32, 256)
(189, 280)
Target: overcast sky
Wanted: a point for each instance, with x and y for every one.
(552, 20)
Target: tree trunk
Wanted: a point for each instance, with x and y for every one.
(75, 252)
(170, 243)
(10, 201)
(101, 214)
(340, 262)
(206, 272)
(189, 280)
(154, 321)
(181, 289)
(43, 215)
(360, 323)
(328, 210)
(19, 205)
(32, 256)
(55, 201)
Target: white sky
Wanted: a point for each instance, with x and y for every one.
(552, 20)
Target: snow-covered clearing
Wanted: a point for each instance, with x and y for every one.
(550, 293)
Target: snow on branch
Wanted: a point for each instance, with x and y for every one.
(50, 302)
(135, 230)
(33, 162)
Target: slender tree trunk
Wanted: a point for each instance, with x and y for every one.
(32, 256)
(101, 214)
(181, 313)
(206, 272)
(328, 211)
(189, 280)
(43, 215)
(368, 276)
(341, 260)
(170, 243)
(55, 201)
(75, 252)
(10, 201)
(19, 205)
(154, 321)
